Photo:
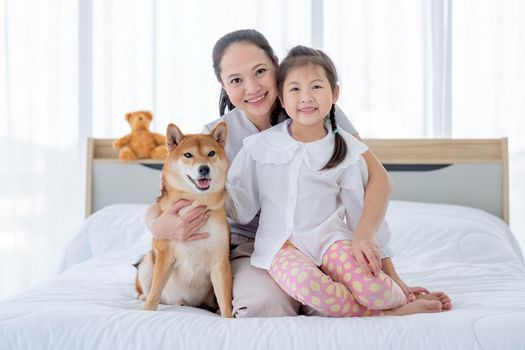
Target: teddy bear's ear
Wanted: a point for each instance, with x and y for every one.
(128, 116)
(219, 133)
(173, 137)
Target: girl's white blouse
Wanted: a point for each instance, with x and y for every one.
(281, 177)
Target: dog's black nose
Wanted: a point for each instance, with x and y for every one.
(204, 170)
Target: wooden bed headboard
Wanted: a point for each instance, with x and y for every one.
(470, 172)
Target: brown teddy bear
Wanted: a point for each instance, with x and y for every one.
(140, 143)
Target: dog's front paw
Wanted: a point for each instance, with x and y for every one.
(149, 307)
(142, 297)
(227, 313)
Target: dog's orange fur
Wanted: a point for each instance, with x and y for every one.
(176, 186)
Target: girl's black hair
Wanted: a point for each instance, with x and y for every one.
(301, 56)
(250, 36)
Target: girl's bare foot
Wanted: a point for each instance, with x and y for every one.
(444, 299)
(415, 307)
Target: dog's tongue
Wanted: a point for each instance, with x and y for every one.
(203, 183)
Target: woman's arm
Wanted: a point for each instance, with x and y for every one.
(377, 195)
(379, 189)
(388, 268)
(242, 187)
(410, 292)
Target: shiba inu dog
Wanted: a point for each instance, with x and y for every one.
(190, 273)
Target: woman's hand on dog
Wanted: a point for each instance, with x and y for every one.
(173, 226)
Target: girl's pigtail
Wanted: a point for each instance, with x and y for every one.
(340, 147)
(224, 102)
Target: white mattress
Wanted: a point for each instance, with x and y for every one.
(91, 305)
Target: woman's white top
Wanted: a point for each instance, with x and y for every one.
(281, 177)
(240, 127)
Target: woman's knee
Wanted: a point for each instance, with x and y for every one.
(255, 294)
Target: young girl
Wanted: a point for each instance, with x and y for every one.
(305, 176)
(246, 67)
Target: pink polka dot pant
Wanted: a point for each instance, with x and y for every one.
(338, 288)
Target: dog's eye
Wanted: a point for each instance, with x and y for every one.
(211, 154)
(188, 155)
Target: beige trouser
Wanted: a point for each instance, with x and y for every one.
(255, 294)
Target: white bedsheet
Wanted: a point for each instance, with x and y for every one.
(91, 305)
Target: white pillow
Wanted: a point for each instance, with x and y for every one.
(420, 232)
(113, 228)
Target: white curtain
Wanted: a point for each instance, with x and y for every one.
(488, 84)
(391, 57)
(156, 55)
(71, 69)
(41, 178)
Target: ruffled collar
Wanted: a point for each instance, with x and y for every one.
(272, 145)
(277, 146)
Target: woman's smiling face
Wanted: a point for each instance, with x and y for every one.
(249, 77)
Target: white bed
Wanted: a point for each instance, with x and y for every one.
(91, 305)
(467, 252)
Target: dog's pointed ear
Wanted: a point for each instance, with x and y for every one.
(219, 133)
(173, 137)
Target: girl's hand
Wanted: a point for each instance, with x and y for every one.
(172, 226)
(366, 254)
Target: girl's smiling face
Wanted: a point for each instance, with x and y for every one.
(249, 77)
(307, 95)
